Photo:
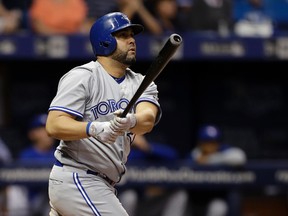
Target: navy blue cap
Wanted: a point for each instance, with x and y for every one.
(209, 133)
(38, 121)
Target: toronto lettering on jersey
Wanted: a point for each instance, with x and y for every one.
(109, 106)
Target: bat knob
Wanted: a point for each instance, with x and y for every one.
(176, 39)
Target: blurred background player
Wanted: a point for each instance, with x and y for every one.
(212, 151)
(5, 159)
(41, 146)
(33, 200)
(10, 194)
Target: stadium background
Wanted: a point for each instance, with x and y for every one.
(246, 96)
(238, 83)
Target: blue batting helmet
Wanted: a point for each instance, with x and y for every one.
(101, 32)
(209, 133)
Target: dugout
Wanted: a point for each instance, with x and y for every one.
(247, 98)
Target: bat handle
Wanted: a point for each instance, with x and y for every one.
(125, 112)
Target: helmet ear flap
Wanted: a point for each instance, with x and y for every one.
(104, 44)
(106, 47)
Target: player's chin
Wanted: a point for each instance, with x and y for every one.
(131, 60)
(130, 57)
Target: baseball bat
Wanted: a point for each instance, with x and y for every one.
(156, 67)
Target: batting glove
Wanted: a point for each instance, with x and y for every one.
(125, 123)
(102, 131)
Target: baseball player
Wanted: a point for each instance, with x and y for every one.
(210, 150)
(85, 116)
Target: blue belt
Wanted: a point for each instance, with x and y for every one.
(58, 163)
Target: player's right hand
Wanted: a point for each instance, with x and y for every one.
(123, 123)
(102, 131)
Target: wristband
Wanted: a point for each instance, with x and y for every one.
(87, 128)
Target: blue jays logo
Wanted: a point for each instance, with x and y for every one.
(109, 106)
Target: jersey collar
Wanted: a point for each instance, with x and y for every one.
(118, 80)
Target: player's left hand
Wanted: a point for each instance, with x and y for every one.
(103, 131)
(125, 123)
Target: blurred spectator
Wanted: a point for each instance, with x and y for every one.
(40, 151)
(138, 12)
(22, 8)
(211, 15)
(97, 9)
(166, 12)
(184, 8)
(158, 17)
(210, 150)
(58, 16)
(10, 20)
(153, 200)
(252, 19)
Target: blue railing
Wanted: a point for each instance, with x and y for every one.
(195, 46)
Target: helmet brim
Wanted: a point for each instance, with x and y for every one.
(136, 28)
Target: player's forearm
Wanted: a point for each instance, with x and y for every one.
(145, 123)
(66, 128)
(146, 114)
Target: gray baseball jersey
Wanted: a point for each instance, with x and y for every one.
(91, 94)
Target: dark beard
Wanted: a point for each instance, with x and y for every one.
(122, 58)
